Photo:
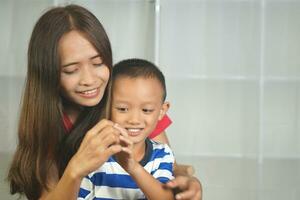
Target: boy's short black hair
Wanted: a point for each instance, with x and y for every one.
(135, 67)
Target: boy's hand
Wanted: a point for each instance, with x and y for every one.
(125, 157)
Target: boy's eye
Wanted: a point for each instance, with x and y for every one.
(145, 110)
(122, 109)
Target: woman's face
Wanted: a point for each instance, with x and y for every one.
(84, 76)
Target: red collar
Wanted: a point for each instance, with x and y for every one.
(67, 123)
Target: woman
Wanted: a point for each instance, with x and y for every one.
(68, 81)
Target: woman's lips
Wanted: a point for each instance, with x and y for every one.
(89, 93)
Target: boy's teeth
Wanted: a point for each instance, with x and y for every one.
(133, 129)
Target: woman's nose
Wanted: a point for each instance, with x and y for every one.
(87, 76)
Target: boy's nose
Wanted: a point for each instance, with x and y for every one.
(134, 117)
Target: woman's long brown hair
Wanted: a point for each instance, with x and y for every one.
(41, 130)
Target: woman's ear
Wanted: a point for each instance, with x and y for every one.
(164, 108)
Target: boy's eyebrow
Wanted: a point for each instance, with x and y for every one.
(74, 63)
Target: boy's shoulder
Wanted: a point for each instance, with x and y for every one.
(160, 147)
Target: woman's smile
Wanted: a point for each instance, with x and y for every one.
(89, 93)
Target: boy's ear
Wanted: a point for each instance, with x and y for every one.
(164, 108)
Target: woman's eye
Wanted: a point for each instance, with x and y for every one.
(98, 64)
(70, 72)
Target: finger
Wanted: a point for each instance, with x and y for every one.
(190, 186)
(95, 130)
(108, 136)
(189, 194)
(179, 181)
(121, 129)
(126, 140)
(108, 130)
(113, 149)
(101, 125)
(110, 139)
(186, 170)
(127, 150)
(103, 155)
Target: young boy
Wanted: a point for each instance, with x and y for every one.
(143, 166)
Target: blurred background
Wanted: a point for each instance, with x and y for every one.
(233, 80)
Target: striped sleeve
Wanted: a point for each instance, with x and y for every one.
(86, 189)
(162, 163)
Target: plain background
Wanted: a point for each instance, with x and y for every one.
(233, 80)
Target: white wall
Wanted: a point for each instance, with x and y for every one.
(232, 68)
(233, 78)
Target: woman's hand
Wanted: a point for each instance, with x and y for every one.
(189, 186)
(99, 143)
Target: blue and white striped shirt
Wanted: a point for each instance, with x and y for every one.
(111, 181)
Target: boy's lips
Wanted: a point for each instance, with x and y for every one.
(134, 131)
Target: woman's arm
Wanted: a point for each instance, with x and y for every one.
(65, 188)
(190, 186)
(101, 142)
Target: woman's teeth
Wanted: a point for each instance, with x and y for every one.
(89, 91)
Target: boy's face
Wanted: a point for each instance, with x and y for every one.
(137, 105)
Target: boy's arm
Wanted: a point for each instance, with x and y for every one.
(153, 185)
(152, 188)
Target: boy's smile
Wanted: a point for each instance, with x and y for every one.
(134, 131)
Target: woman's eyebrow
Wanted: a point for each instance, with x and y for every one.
(74, 63)
(96, 56)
